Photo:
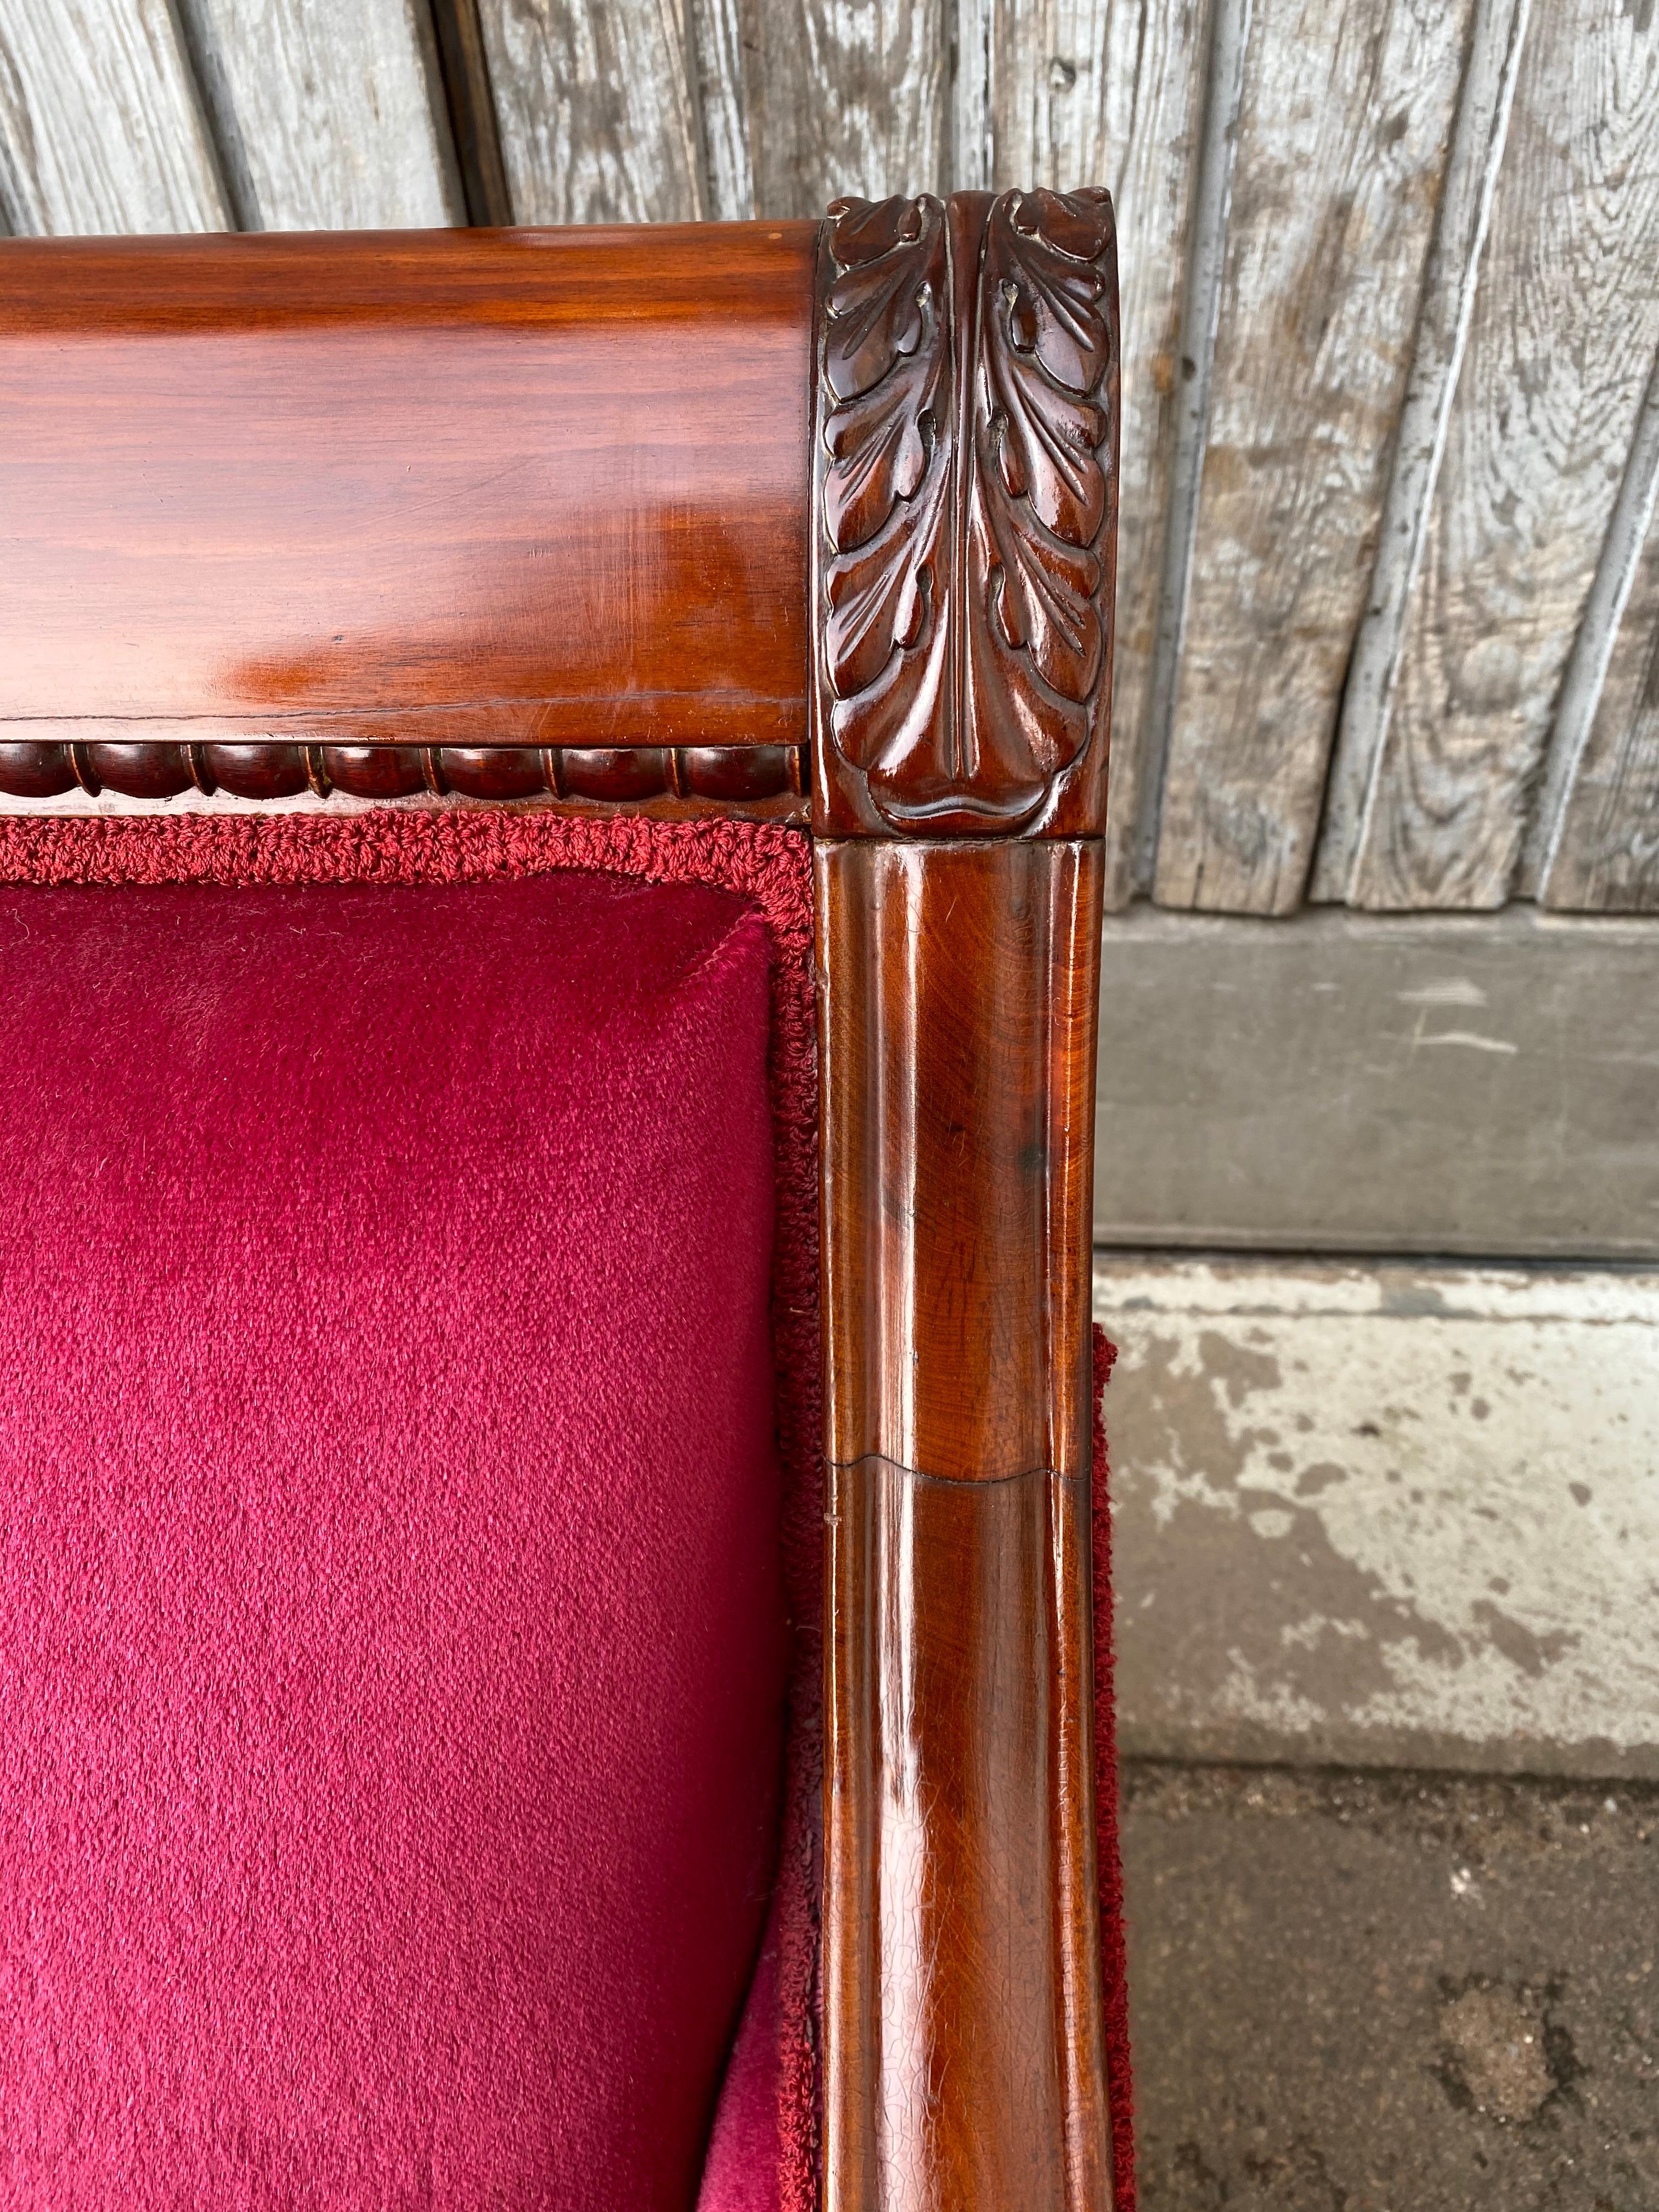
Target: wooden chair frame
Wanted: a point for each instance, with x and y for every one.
(811, 523)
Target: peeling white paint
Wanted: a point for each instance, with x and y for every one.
(1454, 991)
(1469, 1038)
(1387, 1512)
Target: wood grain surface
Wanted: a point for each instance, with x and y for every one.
(1602, 853)
(1397, 491)
(957, 1213)
(597, 110)
(1200, 310)
(325, 119)
(1478, 134)
(961, 1940)
(1335, 182)
(1081, 92)
(963, 2058)
(468, 487)
(717, 41)
(965, 464)
(470, 103)
(763, 782)
(100, 126)
(845, 96)
(1563, 339)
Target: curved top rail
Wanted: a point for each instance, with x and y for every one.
(503, 487)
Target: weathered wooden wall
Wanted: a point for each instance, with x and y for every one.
(1389, 614)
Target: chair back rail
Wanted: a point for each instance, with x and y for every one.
(463, 489)
(632, 519)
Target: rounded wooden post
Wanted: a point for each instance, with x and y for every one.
(964, 475)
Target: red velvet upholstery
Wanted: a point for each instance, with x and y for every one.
(392, 1640)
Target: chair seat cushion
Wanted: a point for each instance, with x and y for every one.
(392, 1635)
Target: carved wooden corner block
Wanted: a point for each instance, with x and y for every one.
(965, 469)
(963, 543)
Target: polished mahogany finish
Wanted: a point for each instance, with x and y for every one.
(957, 1051)
(766, 780)
(368, 771)
(964, 560)
(143, 771)
(959, 1771)
(255, 771)
(966, 497)
(962, 1935)
(471, 488)
(36, 771)
(489, 771)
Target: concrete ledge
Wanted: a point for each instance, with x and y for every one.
(1484, 1084)
(1386, 1513)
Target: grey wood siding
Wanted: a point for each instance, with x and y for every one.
(1594, 838)
(1336, 177)
(597, 110)
(102, 127)
(1388, 609)
(1560, 347)
(1076, 92)
(325, 119)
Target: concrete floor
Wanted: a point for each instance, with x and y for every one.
(1393, 1993)
(1385, 1514)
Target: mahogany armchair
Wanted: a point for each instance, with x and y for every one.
(461, 558)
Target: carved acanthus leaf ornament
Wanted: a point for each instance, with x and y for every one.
(965, 493)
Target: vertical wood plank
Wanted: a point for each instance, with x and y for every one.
(326, 119)
(1335, 183)
(981, 27)
(1448, 292)
(1599, 846)
(1088, 92)
(1200, 312)
(1562, 338)
(599, 110)
(471, 109)
(717, 41)
(100, 126)
(845, 96)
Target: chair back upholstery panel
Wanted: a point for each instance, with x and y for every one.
(392, 1634)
